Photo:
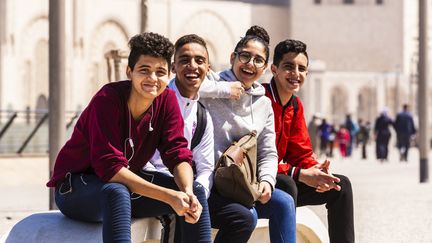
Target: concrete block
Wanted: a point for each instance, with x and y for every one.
(54, 227)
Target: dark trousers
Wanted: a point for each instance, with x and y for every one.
(339, 204)
(403, 145)
(364, 152)
(234, 221)
(382, 143)
(85, 197)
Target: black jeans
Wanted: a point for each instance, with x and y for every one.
(403, 144)
(339, 204)
(234, 221)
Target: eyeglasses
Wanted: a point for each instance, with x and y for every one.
(245, 57)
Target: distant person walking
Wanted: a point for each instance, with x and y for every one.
(325, 130)
(332, 139)
(405, 129)
(382, 135)
(343, 139)
(363, 136)
(313, 133)
(352, 127)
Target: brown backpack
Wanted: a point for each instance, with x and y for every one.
(235, 174)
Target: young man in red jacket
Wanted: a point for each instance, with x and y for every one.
(299, 174)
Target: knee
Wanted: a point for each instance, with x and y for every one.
(345, 183)
(247, 220)
(283, 202)
(198, 189)
(287, 184)
(116, 192)
(200, 193)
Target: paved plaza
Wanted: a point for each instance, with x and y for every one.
(390, 203)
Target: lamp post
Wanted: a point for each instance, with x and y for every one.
(422, 91)
(57, 60)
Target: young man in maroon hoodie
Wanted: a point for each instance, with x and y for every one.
(97, 175)
(299, 174)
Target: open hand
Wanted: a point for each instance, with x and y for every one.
(319, 177)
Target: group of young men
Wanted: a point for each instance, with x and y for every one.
(299, 174)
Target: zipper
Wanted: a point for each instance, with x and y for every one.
(281, 120)
(288, 104)
(253, 134)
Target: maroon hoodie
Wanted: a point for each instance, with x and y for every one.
(98, 141)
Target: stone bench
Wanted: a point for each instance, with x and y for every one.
(54, 227)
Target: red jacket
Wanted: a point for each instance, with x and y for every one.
(292, 138)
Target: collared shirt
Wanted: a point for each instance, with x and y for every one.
(203, 153)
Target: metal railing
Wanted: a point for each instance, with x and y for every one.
(26, 132)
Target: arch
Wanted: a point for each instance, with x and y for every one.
(339, 106)
(108, 35)
(219, 50)
(35, 30)
(41, 106)
(41, 81)
(33, 59)
(108, 31)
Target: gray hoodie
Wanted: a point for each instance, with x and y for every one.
(233, 119)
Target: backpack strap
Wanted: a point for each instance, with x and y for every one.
(199, 131)
(201, 125)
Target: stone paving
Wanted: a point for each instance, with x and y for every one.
(390, 203)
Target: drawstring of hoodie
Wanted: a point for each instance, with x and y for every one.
(251, 111)
(250, 106)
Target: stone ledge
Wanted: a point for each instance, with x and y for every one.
(52, 226)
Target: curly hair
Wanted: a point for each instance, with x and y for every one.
(186, 39)
(286, 46)
(255, 33)
(150, 44)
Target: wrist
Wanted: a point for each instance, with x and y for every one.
(189, 191)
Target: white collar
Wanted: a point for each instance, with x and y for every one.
(184, 102)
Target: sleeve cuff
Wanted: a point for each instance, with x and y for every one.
(294, 172)
(270, 180)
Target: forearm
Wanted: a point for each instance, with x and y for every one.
(215, 89)
(183, 176)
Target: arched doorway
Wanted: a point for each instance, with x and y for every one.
(41, 106)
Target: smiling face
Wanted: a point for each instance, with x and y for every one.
(191, 67)
(149, 77)
(291, 73)
(247, 73)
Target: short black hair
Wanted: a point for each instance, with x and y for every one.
(255, 33)
(191, 38)
(150, 44)
(286, 46)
